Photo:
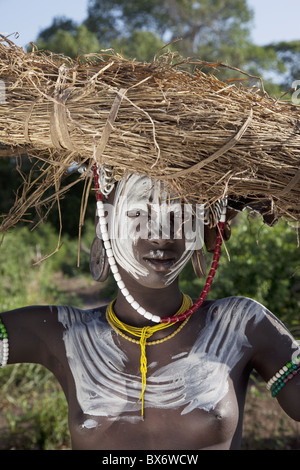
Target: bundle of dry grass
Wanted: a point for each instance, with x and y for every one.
(206, 138)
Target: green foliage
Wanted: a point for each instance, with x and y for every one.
(289, 55)
(66, 38)
(141, 45)
(262, 263)
(217, 31)
(22, 281)
(33, 404)
(119, 18)
(212, 31)
(10, 182)
(35, 409)
(194, 21)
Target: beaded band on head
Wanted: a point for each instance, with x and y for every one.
(106, 189)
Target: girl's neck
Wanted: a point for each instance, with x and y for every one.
(163, 302)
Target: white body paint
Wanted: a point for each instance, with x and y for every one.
(90, 424)
(136, 193)
(197, 379)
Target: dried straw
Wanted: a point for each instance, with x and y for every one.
(204, 137)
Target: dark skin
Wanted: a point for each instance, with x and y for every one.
(36, 335)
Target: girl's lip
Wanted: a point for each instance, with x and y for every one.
(160, 264)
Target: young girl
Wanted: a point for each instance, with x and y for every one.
(132, 380)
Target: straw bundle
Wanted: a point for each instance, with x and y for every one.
(204, 137)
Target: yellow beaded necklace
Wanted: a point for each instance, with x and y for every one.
(144, 333)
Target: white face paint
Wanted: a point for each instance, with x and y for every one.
(194, 380)
(134, 195)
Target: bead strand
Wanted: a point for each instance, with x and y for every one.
(98, 192)
(275, 389)
(289, 365)
(114, 267)
(286, 373)
(143, 334)
(5, 346)
(109, 252)
(208, 283)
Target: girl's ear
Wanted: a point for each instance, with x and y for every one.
(99, 266)
(210, 234)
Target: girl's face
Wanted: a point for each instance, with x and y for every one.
(146, 232)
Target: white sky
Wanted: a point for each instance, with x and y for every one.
(274, 20)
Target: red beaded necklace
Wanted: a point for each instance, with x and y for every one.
(208, 282)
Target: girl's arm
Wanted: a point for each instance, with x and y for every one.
(34, 335)
(275, 349)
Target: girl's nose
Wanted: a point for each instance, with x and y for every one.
(161, 229)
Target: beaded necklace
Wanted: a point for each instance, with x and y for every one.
(145, 333)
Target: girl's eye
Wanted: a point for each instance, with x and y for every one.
(133, 213)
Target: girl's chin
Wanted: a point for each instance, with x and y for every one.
(155, 280)
(159, 275)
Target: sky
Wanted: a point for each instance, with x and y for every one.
(274, 20)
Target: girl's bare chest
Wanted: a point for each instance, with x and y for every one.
(166, 428)
(183, 377)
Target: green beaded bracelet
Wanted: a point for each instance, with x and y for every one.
(281, 383)
(286, 373)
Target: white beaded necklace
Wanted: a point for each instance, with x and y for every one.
(114, 268)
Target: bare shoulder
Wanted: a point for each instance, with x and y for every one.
(271, 342)
(236, 309)
(45, 321)
(33, 332)
(226, 328)
(72, 317)
(265, 341)
(32, 318)
(262, 326)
